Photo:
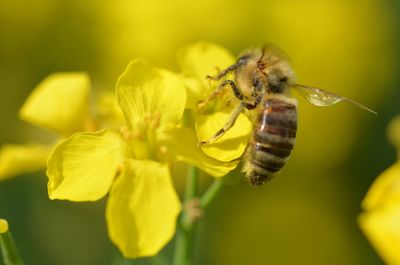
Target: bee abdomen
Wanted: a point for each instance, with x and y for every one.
(272, 140)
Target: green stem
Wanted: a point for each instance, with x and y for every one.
(186, 227)
(9, 249)
(184, 238)
(191, 184)
(211, 193)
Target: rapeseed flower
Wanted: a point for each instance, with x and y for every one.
(133, 164)
(198, 61)
(380, 220)
(60, 104)
(3, 226)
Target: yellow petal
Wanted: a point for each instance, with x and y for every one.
(202, 59)
(385, 189)
(82, 167)
(195, 92)
(142, 209)
(394, 132)
(182, 144)
(196, 62)
(59, 103)
(232, 144)
(109, 114)
(145, 92)
(20, 159)
(382, 227)
(380, 222)
(3, 226)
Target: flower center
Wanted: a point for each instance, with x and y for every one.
(142, 138)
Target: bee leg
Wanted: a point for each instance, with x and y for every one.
(253, 105)
(249, 106)
(227, 126)
(242, 60)
(218, 90)
(223, 72)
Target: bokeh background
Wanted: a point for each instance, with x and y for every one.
(307, 215)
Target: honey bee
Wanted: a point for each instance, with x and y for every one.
(262, 82)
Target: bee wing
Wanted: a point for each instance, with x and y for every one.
(319, 97)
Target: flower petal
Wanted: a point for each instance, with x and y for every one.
(195, 92)
(383, 230)
(202, 59)
(20, 159)
(144, 91)
(393, 132)
(59, 103)
(142, 208)
(196, 62)
(385, 189)
(109, 114)
(232, 144)
(381, 219)
(82, 167)
(182, 144)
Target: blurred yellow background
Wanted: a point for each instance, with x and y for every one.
(307, 215)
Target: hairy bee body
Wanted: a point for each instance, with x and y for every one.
(262, 82)
(272, 140)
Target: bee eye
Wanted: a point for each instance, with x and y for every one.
(283, 79)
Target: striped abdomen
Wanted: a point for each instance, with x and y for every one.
(273, 138)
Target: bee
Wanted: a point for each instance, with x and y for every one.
(262, 82)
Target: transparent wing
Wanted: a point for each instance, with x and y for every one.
(319, 97)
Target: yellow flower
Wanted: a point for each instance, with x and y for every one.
(60, 103)
(132, 164)
(197, 61)
(3, 226)
(381, 218)
(393, 133)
